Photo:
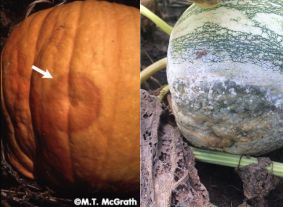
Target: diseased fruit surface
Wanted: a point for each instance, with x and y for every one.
(225, 71)
(80, 128)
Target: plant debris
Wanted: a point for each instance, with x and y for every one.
(257, 183)
(19, 191)
(168, 175)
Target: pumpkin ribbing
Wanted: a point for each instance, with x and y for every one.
(82, 126)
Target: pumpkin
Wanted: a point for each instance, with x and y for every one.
(225, 72)
(79, 129)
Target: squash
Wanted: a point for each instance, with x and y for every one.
(225, 73)
(80, 129)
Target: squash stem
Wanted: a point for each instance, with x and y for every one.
(152, 69)
(155, 19)
(231, 160)
(163, 92)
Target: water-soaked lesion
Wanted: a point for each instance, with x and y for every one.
(80, 106)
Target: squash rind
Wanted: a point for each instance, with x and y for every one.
(225, 72)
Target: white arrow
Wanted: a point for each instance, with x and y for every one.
(45, 74)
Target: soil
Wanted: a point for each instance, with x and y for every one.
(224, 185)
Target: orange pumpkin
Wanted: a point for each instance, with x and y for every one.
(80, 128)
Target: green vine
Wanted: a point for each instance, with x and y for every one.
(152, 69)
(156, 20)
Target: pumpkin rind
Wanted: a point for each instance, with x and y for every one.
(225, 71)
(80, 128)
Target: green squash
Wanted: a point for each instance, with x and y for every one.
(225, 72)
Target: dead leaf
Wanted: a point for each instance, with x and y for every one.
(168, 175)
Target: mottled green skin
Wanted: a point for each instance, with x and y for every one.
(241, 47)
(227, 81)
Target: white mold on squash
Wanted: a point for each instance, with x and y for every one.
(225, 72)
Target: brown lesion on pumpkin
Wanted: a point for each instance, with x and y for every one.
(83, 98)
(85, 102)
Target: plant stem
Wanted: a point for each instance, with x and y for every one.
(231, 160)
(155, 19)
(152, 69)
(163, 92)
